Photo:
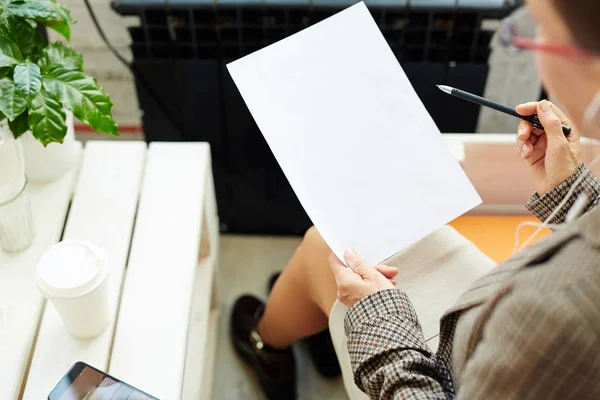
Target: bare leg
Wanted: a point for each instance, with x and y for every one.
(302, 297)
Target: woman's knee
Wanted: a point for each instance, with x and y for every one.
(315, 269)
(313, 251)
(314, 242)
(311, 254)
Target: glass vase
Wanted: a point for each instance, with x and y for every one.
(16, 223)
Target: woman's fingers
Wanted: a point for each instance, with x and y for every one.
(527, 139)
(387, 271)
(531, 108)
(531, 142)
(524, 136)
(537, 108)
(356, 263)
(551, 155)
(552, 124)
(559, 113)
(339, 269)
(574, 135)
(527, 109)
(527, 135)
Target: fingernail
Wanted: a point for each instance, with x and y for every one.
(544, 106)
(348, 253)
(525, 150)
(521, 131)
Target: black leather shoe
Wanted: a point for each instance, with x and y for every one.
(276, 369)
(320, 347)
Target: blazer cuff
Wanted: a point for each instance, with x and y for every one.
(381, 305)
(543, 206)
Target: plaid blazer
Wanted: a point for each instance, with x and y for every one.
(529, 329)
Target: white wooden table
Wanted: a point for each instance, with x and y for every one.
(153, 210)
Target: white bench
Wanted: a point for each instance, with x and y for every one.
(153, 210)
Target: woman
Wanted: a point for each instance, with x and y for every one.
(528, 329)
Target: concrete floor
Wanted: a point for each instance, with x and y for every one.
(245, 266)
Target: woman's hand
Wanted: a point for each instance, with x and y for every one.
(552, 157)
(360, 280)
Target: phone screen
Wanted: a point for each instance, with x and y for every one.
(86, 383)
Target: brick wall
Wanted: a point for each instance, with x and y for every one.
(115, 78)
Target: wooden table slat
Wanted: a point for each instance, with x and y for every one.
(20, 301)
(150, 341)
(103, 211)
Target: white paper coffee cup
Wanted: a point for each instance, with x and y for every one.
(73, 275)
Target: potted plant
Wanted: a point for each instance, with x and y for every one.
(40, 84)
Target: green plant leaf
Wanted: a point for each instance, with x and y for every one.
(28, 80)
(64, 25)
(23, 32)
(5, 21)
(2, 116)
(82, 95)
(40, 10)
(32, 10)
(58, 53)
(28, 38)
(9, 52)
(47, 119)
(55, 16)
(12, 103)
(60, 9)
(65, 13)
(62, 28)
(20, 125)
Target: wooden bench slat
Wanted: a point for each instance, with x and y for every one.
(103, 212)
(204, 319)
(202, 345)
(20, 301)
(149, 350)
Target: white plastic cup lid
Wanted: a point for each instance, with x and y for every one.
(71, 268)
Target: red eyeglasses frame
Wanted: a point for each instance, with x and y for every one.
(562, 50)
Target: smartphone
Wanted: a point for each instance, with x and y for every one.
(84, 382)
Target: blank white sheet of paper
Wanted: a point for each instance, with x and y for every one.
(360, 150)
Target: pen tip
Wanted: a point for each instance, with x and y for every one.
(446, 89)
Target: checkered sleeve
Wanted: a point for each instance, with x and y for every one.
(389, 356)
(543, 206)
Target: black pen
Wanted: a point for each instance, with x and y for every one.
(535, 121)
